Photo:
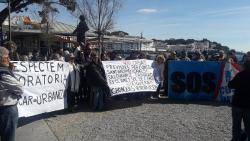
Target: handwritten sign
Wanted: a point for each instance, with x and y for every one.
(129, 76)
(44, 86)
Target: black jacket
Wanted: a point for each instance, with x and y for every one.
(95, 75)
(241, 84)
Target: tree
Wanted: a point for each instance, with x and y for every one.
(19, 5)
(99, 15)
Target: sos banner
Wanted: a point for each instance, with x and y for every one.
(193, 80)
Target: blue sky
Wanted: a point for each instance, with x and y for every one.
(223, 21)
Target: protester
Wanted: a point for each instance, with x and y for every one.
(12, 47)
(232, 55)
(158, 66)
(24, 58)
(73, 96)
(55, 57)
(184, 56)
(240, 102)
(171, 57)
(222, 56)
(198, 56)
(35, 56)
(104, 57)
(96, 79)
(142, 55)
(44, 49)
(10, 93)
(132, 56)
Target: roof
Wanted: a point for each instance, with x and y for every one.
(62, 28)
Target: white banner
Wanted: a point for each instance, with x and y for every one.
(44, 86)
(129, 76)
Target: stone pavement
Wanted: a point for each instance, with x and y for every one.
(133, 120)
(35, 131)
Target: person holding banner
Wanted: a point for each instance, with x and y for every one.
(95, 76)
(241, 101)
(10, 93)
(158, 66)
(171, 57)
(73, 96)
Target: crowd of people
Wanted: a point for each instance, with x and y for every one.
(87, 80)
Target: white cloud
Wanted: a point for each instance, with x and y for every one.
(225, 12)
(147, 11)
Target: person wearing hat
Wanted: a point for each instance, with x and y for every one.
(73, 82)
(241, 101)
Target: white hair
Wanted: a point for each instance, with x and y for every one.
(3, 52)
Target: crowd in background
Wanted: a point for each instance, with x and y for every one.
(87, 80)
(87, 74)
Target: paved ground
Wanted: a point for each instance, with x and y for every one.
(141, 120)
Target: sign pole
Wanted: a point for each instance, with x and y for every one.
(9, 20)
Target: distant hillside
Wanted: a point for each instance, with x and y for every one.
(214, 45)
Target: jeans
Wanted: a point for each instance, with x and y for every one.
(238, 115)
(8, 122)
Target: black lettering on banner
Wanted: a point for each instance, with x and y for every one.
(52, 67)
(50, 98)
(41, 99)
(25, 68)
(44, 97)
(50, 79)
(30, 81)
(194, 82)
(30, 99)
(47, 64)
(179, 85)
(44, 78)
(31, 64)
(38, 81)
(59, 67)
(208, 79)
(35, 67)
(40, 68)
(56, 78)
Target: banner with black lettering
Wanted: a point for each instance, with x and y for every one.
(44, 86)
(129, 76)
(194, 80)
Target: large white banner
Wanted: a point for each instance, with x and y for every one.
(129, 76)
(44, 86)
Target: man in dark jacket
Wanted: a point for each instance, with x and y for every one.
(241, 101)
(10, 92)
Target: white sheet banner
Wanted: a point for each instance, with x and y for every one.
(44, 86)
(129, 76)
